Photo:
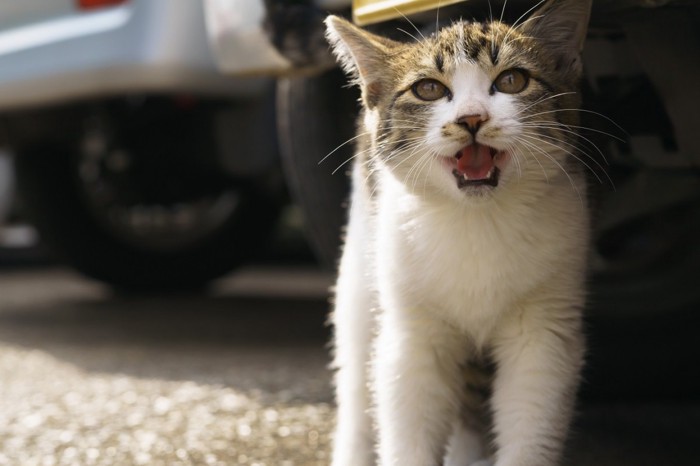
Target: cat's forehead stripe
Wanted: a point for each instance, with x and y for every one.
(467, 41)
(440, 61)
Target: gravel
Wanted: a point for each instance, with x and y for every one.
(234, 377)
(227, 379)
(54, 413)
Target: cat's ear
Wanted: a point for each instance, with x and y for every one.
(361, 54)
(563, 25)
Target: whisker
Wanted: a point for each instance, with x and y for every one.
(415, 128)
(583, 110)
(515, 25)
(493, 32)
(515, 159)
(537, 137)
(552, 159)
(584, 128)
(376, 185)
(535, 6)
(503, 10)
(370, 171)
(403, 150)
(578, 135)
(542, 99)
(544, 172)
(352, 157)
(413, 153)
(504, 42)
(411, 23)
(408, 34)
(431, 155)
(412, 143)
(415, 168)
(341, 145)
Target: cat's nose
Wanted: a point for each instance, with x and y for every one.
(473, 122)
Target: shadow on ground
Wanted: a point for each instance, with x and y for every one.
(262, 339)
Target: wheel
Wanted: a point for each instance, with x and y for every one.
(135, 205)
(316, 115)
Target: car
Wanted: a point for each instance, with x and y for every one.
(137, 159)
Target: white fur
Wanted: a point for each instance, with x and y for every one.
(352, 320)
(455, 274)
(454, 279)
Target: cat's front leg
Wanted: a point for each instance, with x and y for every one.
(539, 353)
(352, 319)
(353, 330)
(416, 383)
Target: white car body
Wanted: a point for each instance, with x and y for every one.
(240, 43)
(52, 51)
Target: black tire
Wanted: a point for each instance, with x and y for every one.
(52, 199)
(315, 116)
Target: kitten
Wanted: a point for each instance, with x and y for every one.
(464, 259)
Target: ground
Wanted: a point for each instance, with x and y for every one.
(235, 376)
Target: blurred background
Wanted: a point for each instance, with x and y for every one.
(168, 237)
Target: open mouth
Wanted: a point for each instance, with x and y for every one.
(476, 166)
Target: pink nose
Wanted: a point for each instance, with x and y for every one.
(472, 122)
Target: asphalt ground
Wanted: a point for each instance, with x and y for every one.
(235, 376)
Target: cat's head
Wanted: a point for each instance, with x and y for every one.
(476, 106)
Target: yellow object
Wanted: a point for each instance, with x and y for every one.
(373, 11)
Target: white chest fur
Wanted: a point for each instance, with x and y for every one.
(469, 263)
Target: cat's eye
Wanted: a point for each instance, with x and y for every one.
(430, 89)
(511, 81)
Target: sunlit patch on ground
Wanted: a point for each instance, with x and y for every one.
(53, 413)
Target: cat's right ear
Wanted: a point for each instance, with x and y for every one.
(562, 25)
(361, 54)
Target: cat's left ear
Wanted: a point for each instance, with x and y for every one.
(362, 54)
(562, 24)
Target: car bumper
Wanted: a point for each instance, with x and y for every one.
(142, 46)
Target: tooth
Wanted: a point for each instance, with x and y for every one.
(466, 177)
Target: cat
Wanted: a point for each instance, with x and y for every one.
(457, 320)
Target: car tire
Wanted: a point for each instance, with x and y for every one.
(316, 115)
(52, 199)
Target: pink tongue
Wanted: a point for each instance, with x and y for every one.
(475, 161)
